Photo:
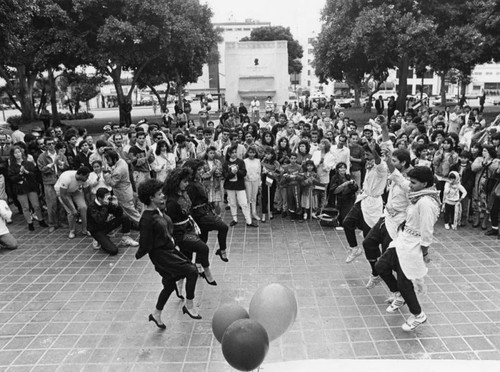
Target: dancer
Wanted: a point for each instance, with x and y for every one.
(156, 240)
(186, 231)
(203, 212)
(408, 254)
(368, 207)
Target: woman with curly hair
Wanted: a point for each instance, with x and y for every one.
(186, 231)
(211, 176)
(202, 210)
(156, 240)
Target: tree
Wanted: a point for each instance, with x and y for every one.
(129, 35)
(79, 87)
(272, 33)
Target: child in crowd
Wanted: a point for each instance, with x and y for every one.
(252, 179)
(96, 179)
(310, 178)
(270, 173)
(291, 181)
(467, 177)
(211, 176)
(453, 195)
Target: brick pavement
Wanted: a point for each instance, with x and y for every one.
(67, 307)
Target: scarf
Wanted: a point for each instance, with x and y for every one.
(432, 192)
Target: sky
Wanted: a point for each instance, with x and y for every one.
(302, 16)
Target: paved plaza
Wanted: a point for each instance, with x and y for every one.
(66, 307)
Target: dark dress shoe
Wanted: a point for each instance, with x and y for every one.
(222, 255)
(233, 223)
(491, 232)
(178, 294)
(152, 319)
(205, 277)
(186, 311)
(42, 223)
(253, 224)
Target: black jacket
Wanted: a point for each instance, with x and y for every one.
(97, 215)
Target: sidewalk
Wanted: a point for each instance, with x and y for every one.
(67, 307)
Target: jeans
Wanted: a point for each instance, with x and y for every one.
(102, 237)
(52, 203)
(25, 200)
(8, 241)
(353, 220)
(79, 199)
(388, 263)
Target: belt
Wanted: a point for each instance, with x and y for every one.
(411, 232)
(182, 222)
(200, 205)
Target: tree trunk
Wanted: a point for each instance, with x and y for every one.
(357, 95)
(53, 98)
(25, 94)
(162, 103)
(442, 91)
(123, 103)
(179, 93)
(403, 84)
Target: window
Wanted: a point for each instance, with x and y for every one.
(308, 83)
(478, 73)
(489, 73)
(308, 72)
(308, 61)
(476, 87)
(311, 40)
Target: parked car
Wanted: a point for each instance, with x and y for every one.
(449, 102)
(344, 102)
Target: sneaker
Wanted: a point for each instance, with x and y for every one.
(390, 298)
(52, 229)
(96, 245)
(491, 232)
(396, 304)
(414, 321)
(71, 235)
(127, 240)
(353, 253)
(373, 281)
(453, 227)
(339, 228)
(446, 226)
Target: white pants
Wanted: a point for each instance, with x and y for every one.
(252, 189)
(241, 197)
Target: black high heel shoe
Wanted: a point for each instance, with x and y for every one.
(152, 319)
(205, 277)
(178, 294)
(222, 255)
(186, 311)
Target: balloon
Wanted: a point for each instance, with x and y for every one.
(225, 316)
(275, 307)
(245, 344)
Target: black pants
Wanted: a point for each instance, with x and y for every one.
(344, 205)
(353, 220)
(377, 236)
(449, 213)
(440, 187)
(102, 235)
(386, 264)
(495, 209)
(210, 223)
(169, 284)
(191, 243)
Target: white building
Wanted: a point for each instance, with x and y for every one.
(309, 81)
(213, 79)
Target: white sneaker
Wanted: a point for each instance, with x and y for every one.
(373, 281)
(339, 228)
(396, 304)
(453, 227)
(127, 240)
(446, 226)
(391, 297)
(71, 235)
(353, 253)
(414, 321)
(96, 245)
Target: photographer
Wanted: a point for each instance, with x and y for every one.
(99, 226)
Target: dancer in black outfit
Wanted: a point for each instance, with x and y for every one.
(156, 240)
(186, 231)
(202, 210)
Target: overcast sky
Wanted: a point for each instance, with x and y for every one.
(302, 16)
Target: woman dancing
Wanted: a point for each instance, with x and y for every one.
(156, 240)
(186, 231)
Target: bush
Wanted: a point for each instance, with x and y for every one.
(17, 119)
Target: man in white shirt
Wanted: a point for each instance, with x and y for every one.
(341, 152)
(70, 190)
(255, 107)
(368, 207)
(203, 145)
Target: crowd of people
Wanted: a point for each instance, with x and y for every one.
(390, 177)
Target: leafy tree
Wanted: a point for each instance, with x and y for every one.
(79, 87)
(129, 35)
(272, 33)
